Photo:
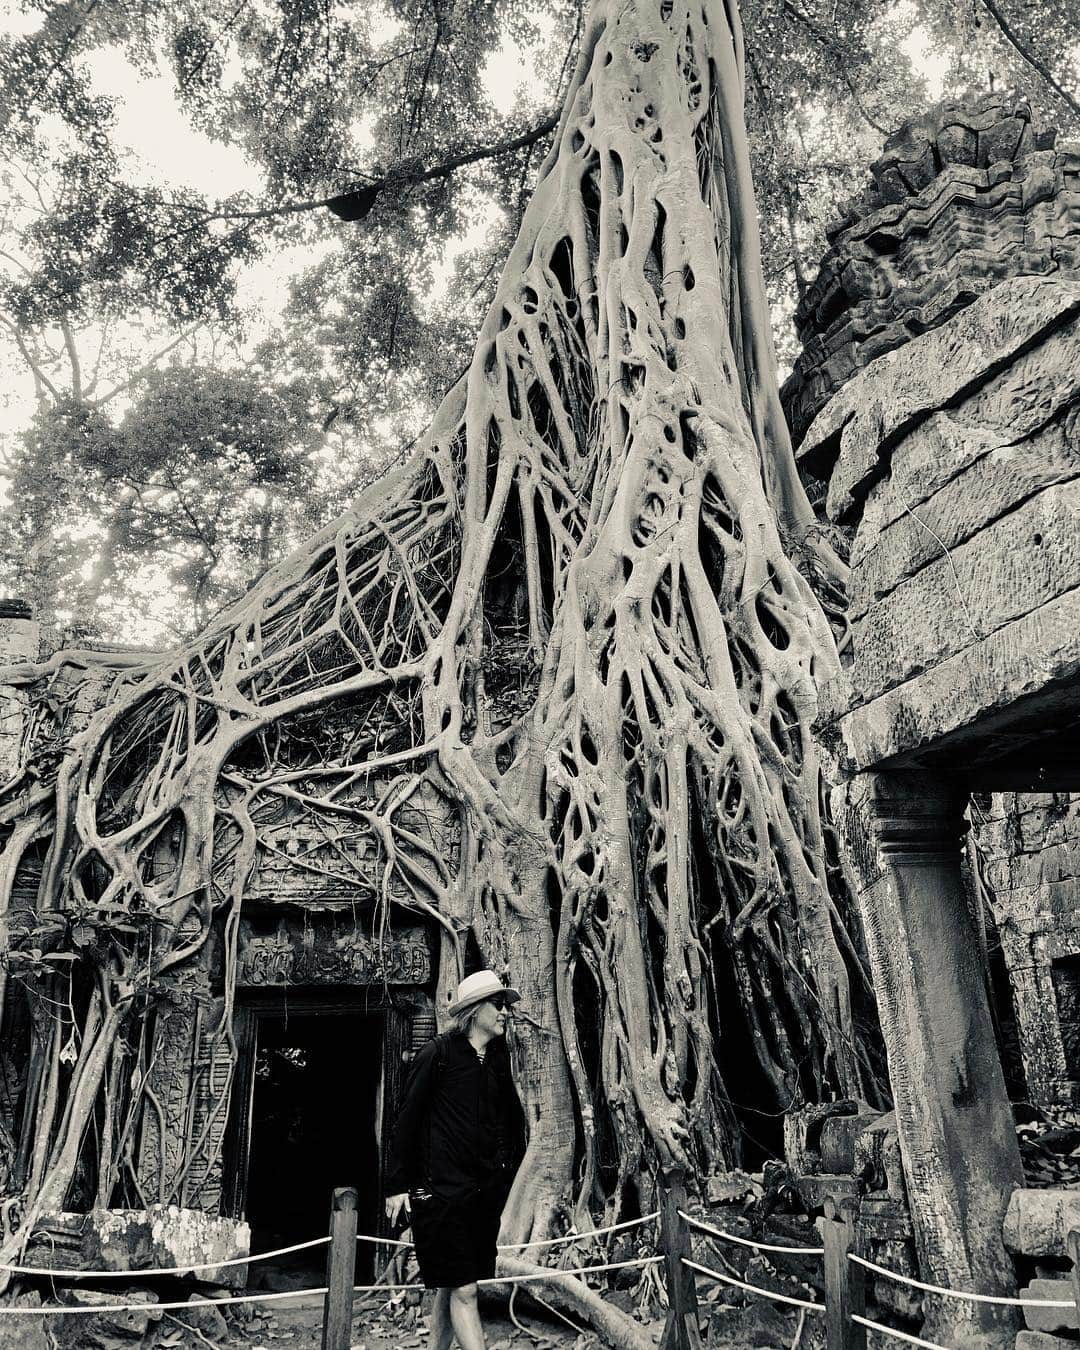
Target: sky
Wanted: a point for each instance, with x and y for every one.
(165, 148)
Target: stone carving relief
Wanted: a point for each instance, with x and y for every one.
(331, 952)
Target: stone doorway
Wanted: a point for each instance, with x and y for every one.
(307, 1116)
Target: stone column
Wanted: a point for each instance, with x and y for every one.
(957, 1140)
(20, 637)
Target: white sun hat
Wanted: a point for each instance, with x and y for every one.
(480, 985)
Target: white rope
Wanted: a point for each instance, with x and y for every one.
(541, 1242)
(746, 1242)
(754, 1288)
(579, 1270)
(302, 1293)
(90, 1308)
(900, 1335)
(962, 1294)
(579, 1237)
(161, 1270)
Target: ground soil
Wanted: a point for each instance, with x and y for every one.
(299, 1327)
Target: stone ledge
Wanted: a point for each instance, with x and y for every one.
(903, 387)
(1024, 658)
(1050, 1319)
(897, 538)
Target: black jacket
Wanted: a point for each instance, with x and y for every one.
(459, 1126)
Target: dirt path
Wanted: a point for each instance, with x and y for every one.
(299, 1327)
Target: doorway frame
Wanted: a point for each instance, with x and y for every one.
(253, 1006)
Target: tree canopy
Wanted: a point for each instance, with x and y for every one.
(381, 141)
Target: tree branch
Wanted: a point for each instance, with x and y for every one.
(41, 380)
(356, 203)
(146, 365)
(1033, 61)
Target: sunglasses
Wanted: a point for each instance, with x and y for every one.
(499, 1001)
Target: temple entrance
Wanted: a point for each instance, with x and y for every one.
(306, 1118)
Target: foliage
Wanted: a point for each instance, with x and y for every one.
(207, 472)
(390, 104)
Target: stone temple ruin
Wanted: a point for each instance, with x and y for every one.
(316, 985)
(935, 407)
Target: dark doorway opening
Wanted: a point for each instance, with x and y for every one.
(314, 1098)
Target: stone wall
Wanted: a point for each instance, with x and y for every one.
(1030, 843)
(956, 461)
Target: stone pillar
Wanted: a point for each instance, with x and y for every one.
(20, 637)
(961, 1161)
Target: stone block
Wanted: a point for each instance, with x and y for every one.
(1037, 1222)
(1039, 1340)
(840, 1137)
(162, 1236)
(1007, 570)
(937, 369)
(1023, 658)
(905, 538)
(104, 1330)
(815, 1190)
(1050, 1319)
(24, 1333)
(878, 1161)
(205, 1318)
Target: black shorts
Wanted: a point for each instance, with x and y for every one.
(456, 1236)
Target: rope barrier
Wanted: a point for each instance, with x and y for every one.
(580, 1270)
(90, 1309)
(900, 1335)
(959, 1293)
(746, 1242)
(754, 1288)
(579, 1237)
(540, 1242)
(163, 1270)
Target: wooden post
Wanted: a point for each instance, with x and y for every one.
(340, 1271)
(1072, 1250)
(845, 1282)
(681, 1330)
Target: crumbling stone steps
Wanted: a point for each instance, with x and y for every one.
(1037, 1224)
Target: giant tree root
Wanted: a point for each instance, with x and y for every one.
(618, 1329)
(552, 681)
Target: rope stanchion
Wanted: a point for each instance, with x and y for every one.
(755, 1288)
(900, 1335)
(747, 1242)
(163, 1270)
(963, 1294)
(389, 1242)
